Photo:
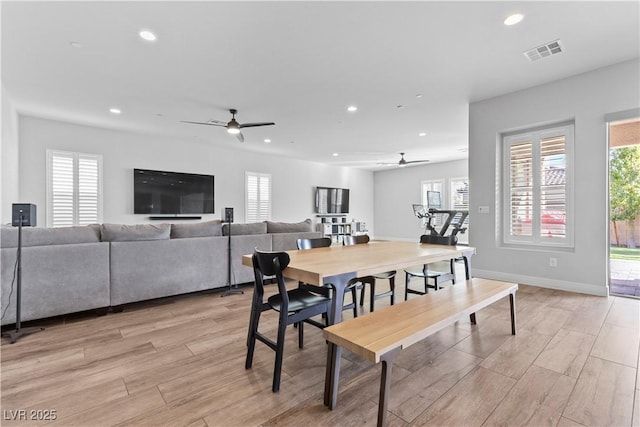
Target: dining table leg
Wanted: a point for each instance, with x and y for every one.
(334, 352)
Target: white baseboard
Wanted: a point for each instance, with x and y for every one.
(542, 282)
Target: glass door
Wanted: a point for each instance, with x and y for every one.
(624, 207)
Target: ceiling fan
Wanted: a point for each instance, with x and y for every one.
(233, 127)
(402, 163)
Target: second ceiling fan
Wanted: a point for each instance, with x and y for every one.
(233, 127)
(402, 163)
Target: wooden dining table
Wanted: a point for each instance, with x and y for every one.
(334, 266)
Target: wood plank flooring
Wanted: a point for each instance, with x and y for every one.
(180, 362)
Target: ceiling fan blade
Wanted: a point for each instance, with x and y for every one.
(203, 123)
(416, 161)
(240, 136)
(252, 125)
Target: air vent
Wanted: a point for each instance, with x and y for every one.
(548, 49)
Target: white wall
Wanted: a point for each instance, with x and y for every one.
(397, 189)
(8, 158)
(585, 98)
(293, 181)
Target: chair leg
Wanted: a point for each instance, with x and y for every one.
(251, 338)
(452, 264)
(277, 369)
(372, 297)
(426, 284)
(300, 334)
(362, 295)
(407, 279)
(392, 286)
(354, 297)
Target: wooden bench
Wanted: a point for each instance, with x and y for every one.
(380, 336)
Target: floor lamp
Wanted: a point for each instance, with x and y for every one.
(232, 289)
(19, 216)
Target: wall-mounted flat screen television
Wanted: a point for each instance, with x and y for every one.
(159, 192)
(332, 200)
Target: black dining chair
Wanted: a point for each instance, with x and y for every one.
(371, 280)
(438, 277)
(325, 242)
(295, 306)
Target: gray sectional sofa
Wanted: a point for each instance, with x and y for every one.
(71, 269)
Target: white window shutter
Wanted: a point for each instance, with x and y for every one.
(74, 188)
(258, 197)
(553, 193)
(538, 202)
(521, 189)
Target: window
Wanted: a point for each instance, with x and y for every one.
(459, 201)
(74, 188)
(258, 194)
(538, 208)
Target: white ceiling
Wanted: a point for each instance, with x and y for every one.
(299, 64)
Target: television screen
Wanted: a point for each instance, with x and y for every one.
(332, 200)
(158, 192)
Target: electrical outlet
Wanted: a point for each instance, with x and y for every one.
(553, 262)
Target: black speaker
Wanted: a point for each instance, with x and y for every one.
(28, 212)
(228, 215)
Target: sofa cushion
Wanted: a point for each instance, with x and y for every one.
(245, 229)
(41, 236)
(127, 233)
(198, 229)
(288, 227)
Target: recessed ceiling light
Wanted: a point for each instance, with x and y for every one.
(513, 19)
(335, 154)
(75, 44)
(115, 110)
(352, 108)
(267, 141)
(422, 134)
(419, 95)
(400, 107)
(147, 35)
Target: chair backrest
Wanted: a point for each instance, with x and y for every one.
(265, 262)
(269, 264)
(320, 242)
(355, 240)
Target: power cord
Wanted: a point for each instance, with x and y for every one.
(13, 280)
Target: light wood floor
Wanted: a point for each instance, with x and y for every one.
(574, 361)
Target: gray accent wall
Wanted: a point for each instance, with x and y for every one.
(586, 99)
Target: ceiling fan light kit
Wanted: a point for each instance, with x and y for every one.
(233, 127)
